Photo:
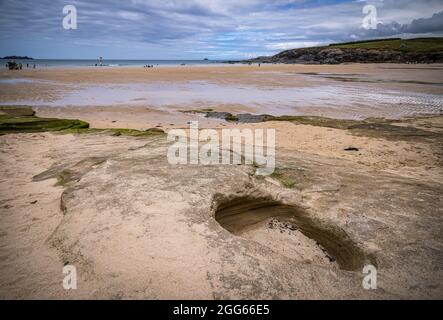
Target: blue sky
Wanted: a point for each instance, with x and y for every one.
(197, 29)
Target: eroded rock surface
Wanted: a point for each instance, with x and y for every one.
(137, 227)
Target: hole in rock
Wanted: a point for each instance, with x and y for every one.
(290, 231)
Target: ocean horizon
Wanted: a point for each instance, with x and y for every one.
(110, 62)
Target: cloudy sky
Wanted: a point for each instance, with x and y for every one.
(197, 29)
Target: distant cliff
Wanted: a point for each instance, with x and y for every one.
(17, 58)
(420, 50)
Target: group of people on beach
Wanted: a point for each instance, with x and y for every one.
(148, 66)
(12, 65)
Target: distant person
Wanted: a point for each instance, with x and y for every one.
(34, 66)
(12, 65)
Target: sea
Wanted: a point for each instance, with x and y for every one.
(51, 63)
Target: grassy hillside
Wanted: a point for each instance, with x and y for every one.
(418, 45)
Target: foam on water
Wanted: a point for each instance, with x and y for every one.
(18, 80)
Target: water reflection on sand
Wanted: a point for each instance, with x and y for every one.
(328, 98)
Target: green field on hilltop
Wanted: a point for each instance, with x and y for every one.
(403, 45)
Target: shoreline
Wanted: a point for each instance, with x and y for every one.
(44, 64)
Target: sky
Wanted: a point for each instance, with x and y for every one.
(197, 29)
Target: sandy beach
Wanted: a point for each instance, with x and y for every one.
(137, 227)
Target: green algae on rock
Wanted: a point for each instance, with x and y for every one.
(19, 124)
(22, 119)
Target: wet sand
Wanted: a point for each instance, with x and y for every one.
(140, 98)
